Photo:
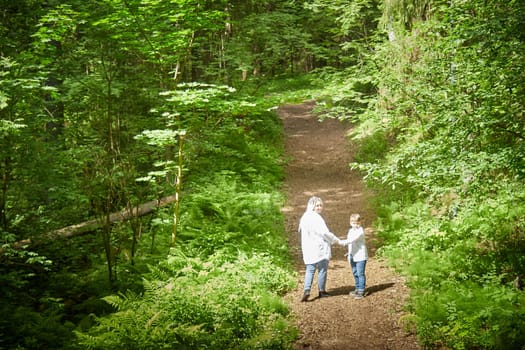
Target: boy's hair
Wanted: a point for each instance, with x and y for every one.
(355, 217)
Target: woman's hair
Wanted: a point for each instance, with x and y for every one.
(312, 202)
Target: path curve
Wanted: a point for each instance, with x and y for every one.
(318, 165)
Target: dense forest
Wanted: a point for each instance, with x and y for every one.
(141, 160)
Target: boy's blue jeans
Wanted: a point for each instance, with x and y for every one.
(322, 267)
(358, 270)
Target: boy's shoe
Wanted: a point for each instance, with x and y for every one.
(305, 295)
(352, 293)
(359, 295)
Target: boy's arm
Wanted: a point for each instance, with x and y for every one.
(355, 234)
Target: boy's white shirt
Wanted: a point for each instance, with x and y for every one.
(316, 238)
(356, 243)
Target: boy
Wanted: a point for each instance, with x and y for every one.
(357, 255)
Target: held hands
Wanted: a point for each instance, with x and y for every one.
(342, 242)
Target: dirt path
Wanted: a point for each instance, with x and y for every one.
(319, 166)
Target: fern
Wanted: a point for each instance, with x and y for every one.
(199, 305)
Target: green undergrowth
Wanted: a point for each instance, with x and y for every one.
(465, 269)
(217, 281)
(221, 285)
(195, 303)
(444, 156)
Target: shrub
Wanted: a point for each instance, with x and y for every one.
(198, 304)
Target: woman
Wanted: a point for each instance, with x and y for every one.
(316, 241)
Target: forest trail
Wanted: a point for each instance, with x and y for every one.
(319, 155)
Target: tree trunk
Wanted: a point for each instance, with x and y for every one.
(92, 225)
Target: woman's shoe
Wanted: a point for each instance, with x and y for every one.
(305, 296)
(323, 294)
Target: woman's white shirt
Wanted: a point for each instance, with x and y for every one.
(316, 238)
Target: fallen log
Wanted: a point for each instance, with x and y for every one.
(91, 225)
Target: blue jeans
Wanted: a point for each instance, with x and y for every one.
(358, 270)
(322, 267)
